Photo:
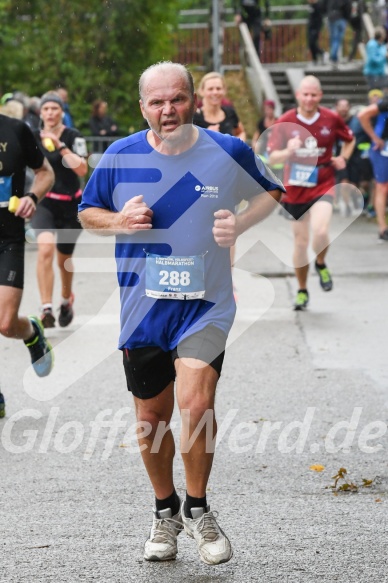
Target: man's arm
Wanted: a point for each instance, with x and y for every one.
(227, 226)
(339, 162)
(281, 156)
(135, 216)
(365, 116)
(348, 149)
(43, 181)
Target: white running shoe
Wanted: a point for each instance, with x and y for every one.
(213, 544)
(161, 544)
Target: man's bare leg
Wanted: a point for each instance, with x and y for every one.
(14, 326)
(11, 324)
(301, 230)
(196, 387)
(320, 217)
(157, 456)
(380, 204)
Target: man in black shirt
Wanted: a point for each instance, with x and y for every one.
(18, 150)
(249, 11)
(314, 26)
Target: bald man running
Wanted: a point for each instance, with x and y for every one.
(170, 193)
(303, 140)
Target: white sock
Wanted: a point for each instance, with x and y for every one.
(65, 301)
(47, 306)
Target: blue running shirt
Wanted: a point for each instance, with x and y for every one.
(183, 191)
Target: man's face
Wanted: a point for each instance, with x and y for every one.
(309, 96)
(167, 104)
(343, 108)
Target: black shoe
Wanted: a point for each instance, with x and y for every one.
(384, 235)
(302, 300)
(324, 277)
(47, 318)
(42, 356)
(66, 313)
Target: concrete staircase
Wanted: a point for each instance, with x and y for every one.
(283, 88)
(348, 82)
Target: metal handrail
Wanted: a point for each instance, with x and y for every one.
(259, 78)
(206, 11)
(98, 144)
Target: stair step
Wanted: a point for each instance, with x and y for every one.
(349, 84)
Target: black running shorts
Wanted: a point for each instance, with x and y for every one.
(12, 264)
(150, 370)
(352, 171)
(60, 217)
(298, 210)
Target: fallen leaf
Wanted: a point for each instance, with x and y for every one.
(317, 468)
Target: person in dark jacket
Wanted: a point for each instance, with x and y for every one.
(357, 9)
(250, 12)
(102, 125)
(314, 25)
(338, 14)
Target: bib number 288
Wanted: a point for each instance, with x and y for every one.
(174, 278)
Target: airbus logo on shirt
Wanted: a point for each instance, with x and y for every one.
(207, 191)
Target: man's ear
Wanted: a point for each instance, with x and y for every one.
(142, 108)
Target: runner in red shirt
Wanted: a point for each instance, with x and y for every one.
(303, 140)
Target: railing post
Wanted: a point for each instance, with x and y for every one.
(217, 32)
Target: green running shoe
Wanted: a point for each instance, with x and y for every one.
(42, 356)
(302, 300)
(324, 277)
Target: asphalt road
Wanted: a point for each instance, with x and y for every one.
(297, 389)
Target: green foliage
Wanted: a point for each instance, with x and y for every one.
(97, 50)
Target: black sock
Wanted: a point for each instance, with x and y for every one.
(320, 265)
(304, 291)
(35, 334)
(172, 502)
(193, 503)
